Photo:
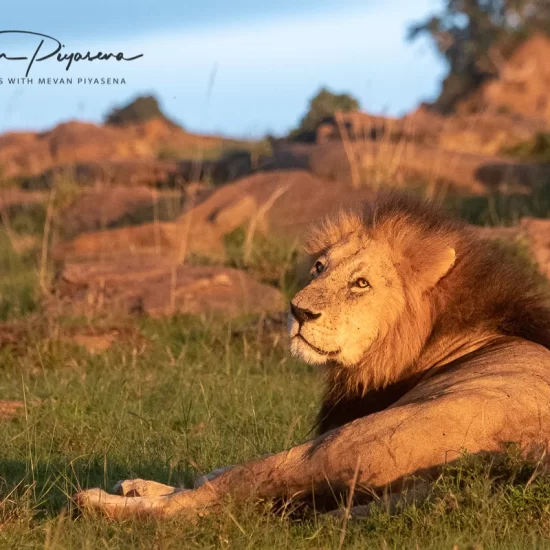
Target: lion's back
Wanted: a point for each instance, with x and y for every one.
(511, 374)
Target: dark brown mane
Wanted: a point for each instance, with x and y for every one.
(492, 288)
(492, 284)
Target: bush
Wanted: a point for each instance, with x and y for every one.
(141, 109)
(322, 106)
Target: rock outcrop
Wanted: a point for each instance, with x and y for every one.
(26, 154)
(158, 287)
(482, 133)
(283, 202)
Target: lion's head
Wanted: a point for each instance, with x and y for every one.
(369, 304)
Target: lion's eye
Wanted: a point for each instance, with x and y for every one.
(362, 283)
(319, 267)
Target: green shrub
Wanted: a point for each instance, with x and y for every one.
(141, 109)
(322, 105)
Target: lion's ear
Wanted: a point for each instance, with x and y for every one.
(435, 264)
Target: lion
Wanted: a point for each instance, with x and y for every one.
(433, 342)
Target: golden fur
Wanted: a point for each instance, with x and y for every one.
(486, 292)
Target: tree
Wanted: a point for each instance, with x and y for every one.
(471, 34)
(321, 106)
(141, 109)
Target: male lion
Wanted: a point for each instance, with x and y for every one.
(433, 342)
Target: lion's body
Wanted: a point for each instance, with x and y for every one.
(433, 343)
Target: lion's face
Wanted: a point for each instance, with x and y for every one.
(353, 299)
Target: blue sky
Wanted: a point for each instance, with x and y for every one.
(234, 67)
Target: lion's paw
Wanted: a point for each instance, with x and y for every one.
(117, 507)
(143, 488)
(93, 500)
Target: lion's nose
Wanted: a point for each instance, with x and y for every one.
(303, 315)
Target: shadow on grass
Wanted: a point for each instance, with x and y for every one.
(46, 486)
(456, 489)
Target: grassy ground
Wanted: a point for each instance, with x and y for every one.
(178, 397)
(192, 396)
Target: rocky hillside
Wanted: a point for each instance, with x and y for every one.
(148, 217)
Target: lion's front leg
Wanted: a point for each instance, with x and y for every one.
(118, 507)
(147, 488)
(367, 454)
(144, 488)
(138, 497)
(207, 478)
(155, 502)
(329, 464)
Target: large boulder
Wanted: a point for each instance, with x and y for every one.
(281, 202)
(481, 133)
(377, 164)
(157, 287)
(13, 199)
(104, 207)
(129, 173)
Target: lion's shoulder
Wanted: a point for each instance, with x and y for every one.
(509, 365)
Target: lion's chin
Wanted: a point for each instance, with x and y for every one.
(302, 349)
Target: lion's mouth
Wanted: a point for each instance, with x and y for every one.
(315, 348)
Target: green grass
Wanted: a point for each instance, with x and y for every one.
(195, 398)
(272, 261)
(192, 395)
(18, 281)
(198, 395)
